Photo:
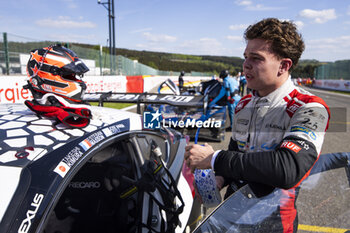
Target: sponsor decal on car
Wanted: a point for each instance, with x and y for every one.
(77, 152)
(114, 129)
(85, 144)
(92, 140)
(30, 214)
(62, 169)
(131, 97)
(73, 156)
(184, 99)
(85, 185)
(68, 161)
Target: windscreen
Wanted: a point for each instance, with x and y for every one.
(322, 203)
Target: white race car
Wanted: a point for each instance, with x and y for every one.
(112, 176)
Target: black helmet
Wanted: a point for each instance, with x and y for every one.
(223, 74)
(54, 69)
(182, 73)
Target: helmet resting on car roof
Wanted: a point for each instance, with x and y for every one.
(58, 70)
(56, 89)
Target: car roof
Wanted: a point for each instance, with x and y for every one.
(26, 137)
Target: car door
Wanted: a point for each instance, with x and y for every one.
(122, 184)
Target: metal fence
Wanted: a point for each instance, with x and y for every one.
(339, 70)
(15, 50)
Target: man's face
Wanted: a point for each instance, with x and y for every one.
(261, 67)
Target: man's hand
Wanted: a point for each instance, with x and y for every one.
(220, 181)
(198, 157)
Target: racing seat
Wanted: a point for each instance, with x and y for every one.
(92, 199)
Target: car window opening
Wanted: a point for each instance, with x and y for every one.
(125, 187)
(92, 201)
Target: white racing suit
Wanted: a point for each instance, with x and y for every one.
(276, 140)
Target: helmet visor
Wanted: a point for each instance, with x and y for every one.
(78, 67)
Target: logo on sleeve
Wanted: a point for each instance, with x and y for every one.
(241, 145)
(291, 146)
(307, 131)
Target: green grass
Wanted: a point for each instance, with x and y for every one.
(112, 105)
(342, 92)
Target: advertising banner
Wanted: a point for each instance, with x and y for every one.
(339, 85)
(11, 87)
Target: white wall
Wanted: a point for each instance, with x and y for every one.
(11, 87)
(339, 85)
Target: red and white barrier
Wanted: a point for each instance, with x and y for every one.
(11, 87)
(339, 85)
(105, 83)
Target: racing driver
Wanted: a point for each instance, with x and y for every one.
(278, 130)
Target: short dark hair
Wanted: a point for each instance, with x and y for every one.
(285, 40)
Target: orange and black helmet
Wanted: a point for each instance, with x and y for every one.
(56, 69)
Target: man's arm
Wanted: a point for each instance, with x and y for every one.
(283, 168)
(227, 87)
(218, 97)
(290, 162)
